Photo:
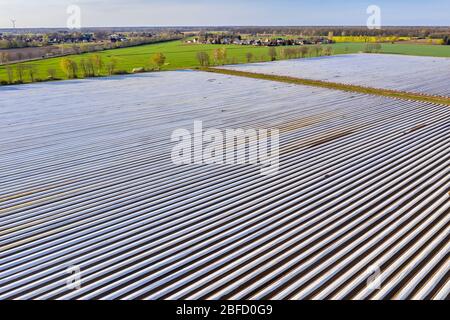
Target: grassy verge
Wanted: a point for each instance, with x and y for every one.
(180, 55)
(333, 85)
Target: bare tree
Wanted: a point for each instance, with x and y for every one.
(111, 66)
(76, 49)
(372, 48)
(288, 53)
(90, 68)
(224, 54)
(159, 59)
(32, 72)
(217, 55)
(327, 51)
(378, 47)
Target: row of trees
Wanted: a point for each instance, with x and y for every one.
(372, 48)
(300, 52)
(92, 66)
(220, 55)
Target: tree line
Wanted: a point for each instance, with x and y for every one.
(87, 67)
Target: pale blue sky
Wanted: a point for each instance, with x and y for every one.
(52, 13)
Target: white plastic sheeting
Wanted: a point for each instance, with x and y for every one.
(426, 75)
(86, 180)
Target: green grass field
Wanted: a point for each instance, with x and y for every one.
(181, 55)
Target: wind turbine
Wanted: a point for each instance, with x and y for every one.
(13, 23)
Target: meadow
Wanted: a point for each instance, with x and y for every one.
(180, 55)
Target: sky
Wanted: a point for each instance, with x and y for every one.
(97, 13)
